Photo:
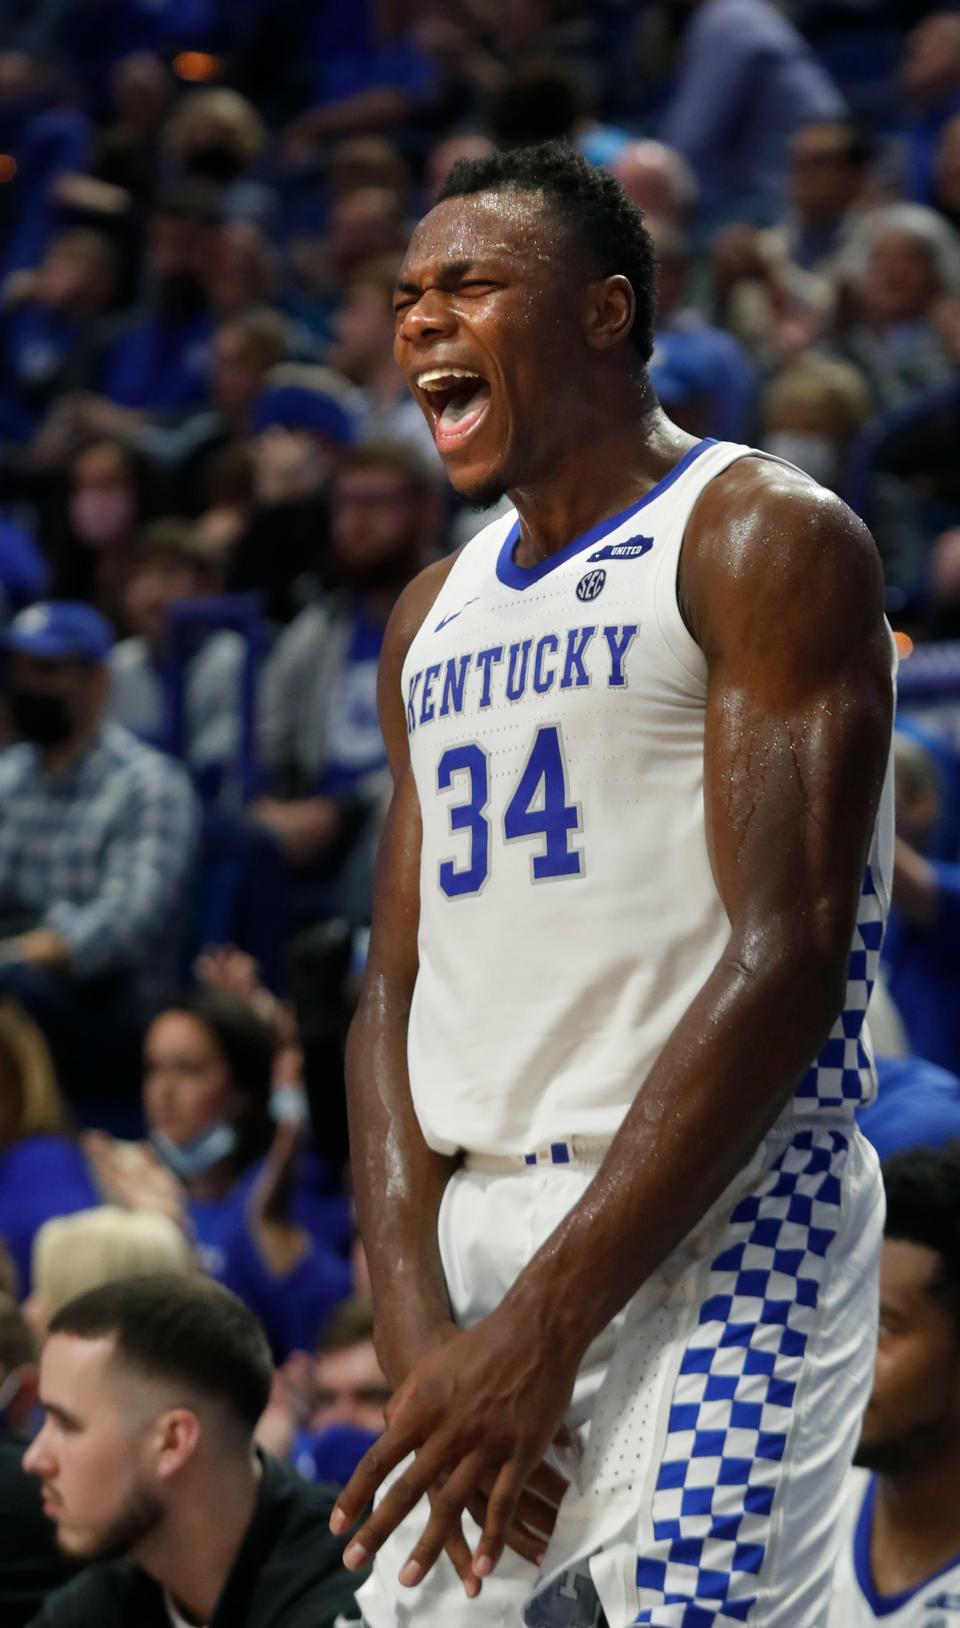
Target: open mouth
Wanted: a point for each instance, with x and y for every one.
(458, 401)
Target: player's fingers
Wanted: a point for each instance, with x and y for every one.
(501, 1506)
(397, 1441)
(404, 1494)
(447, 1505)
(458, 1553)
(530, 1545)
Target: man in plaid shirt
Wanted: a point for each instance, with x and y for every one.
(97, 846)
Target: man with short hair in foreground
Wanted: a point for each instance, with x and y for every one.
(152, 1387)
(900, 1556)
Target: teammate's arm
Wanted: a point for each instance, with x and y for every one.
(782, 588)
(398, 1180)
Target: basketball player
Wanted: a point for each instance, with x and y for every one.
(899, 1558)
(622, 1230)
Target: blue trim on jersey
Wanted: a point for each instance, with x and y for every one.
(513, 575)
(882, 1605)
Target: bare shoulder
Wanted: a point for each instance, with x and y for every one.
(769, 553)
(412, 608)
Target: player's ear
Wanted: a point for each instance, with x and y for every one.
(609, 312)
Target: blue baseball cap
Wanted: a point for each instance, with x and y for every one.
(59, 630)
(300, 407)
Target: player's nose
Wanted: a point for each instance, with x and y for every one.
(427, 318)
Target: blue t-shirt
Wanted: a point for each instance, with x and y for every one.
(40, 1177)
(159, 365)
(917, 1105)
(293, 1308)
(923, 974)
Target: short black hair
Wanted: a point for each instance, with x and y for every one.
(588, 202)
(188, 1330)
(923, 1207)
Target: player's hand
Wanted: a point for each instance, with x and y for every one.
(478, 1412)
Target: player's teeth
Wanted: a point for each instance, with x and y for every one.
(436, 375)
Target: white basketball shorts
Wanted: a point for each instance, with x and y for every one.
(714, 1419)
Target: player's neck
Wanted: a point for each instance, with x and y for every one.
(916, 1525)
(598, 476)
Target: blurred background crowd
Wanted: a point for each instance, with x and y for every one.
(213, 488)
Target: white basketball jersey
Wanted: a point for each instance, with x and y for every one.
(854, 1602)
(568, 913)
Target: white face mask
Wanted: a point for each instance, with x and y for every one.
(815, 454)
(200, 1154)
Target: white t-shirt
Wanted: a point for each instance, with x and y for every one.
(175, 1618)
(855, 1602)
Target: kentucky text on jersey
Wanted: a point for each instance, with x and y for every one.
(473, 681)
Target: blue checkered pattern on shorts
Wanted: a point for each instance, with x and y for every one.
(842, 1077)
(731, 1406)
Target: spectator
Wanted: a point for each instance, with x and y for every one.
(304, 420)
(320, 735)
(747, 80)
(542, 99)
(272, 1235)
(923, 933)
(96, 851)
(125, 156)
(702, 376)
(245, 348)
(777, 286)
(325, 1411)
(900, 1541)
(362, 351)
(903, 262)
(169, 567)
(74, 1253)
(657, 180)
(91, 538)
(930, 77)
(812, 410)
(216, 136)
(30, 1563)
(241, 271)
(42, 1171)
(50, 325)
(447, 152)
(158, 360)
(167, 1378)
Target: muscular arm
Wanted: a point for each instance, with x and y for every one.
(783, 592)
(398, 1180)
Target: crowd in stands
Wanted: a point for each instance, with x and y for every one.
(213, 489)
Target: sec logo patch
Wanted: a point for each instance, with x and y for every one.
(591, 585)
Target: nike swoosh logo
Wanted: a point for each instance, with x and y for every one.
(454, 614)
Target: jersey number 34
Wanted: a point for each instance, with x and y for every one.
(538, 808)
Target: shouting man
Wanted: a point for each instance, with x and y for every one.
(623, 1233)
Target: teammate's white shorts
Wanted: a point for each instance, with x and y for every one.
(715, 1419)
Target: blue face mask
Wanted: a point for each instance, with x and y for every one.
(331, 1454)
(200, 1154)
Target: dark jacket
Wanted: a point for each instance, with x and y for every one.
(287, 1573)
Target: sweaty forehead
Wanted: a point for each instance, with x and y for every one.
(514, 226)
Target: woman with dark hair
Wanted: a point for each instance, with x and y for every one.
(224, 1169)
(91, 531)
